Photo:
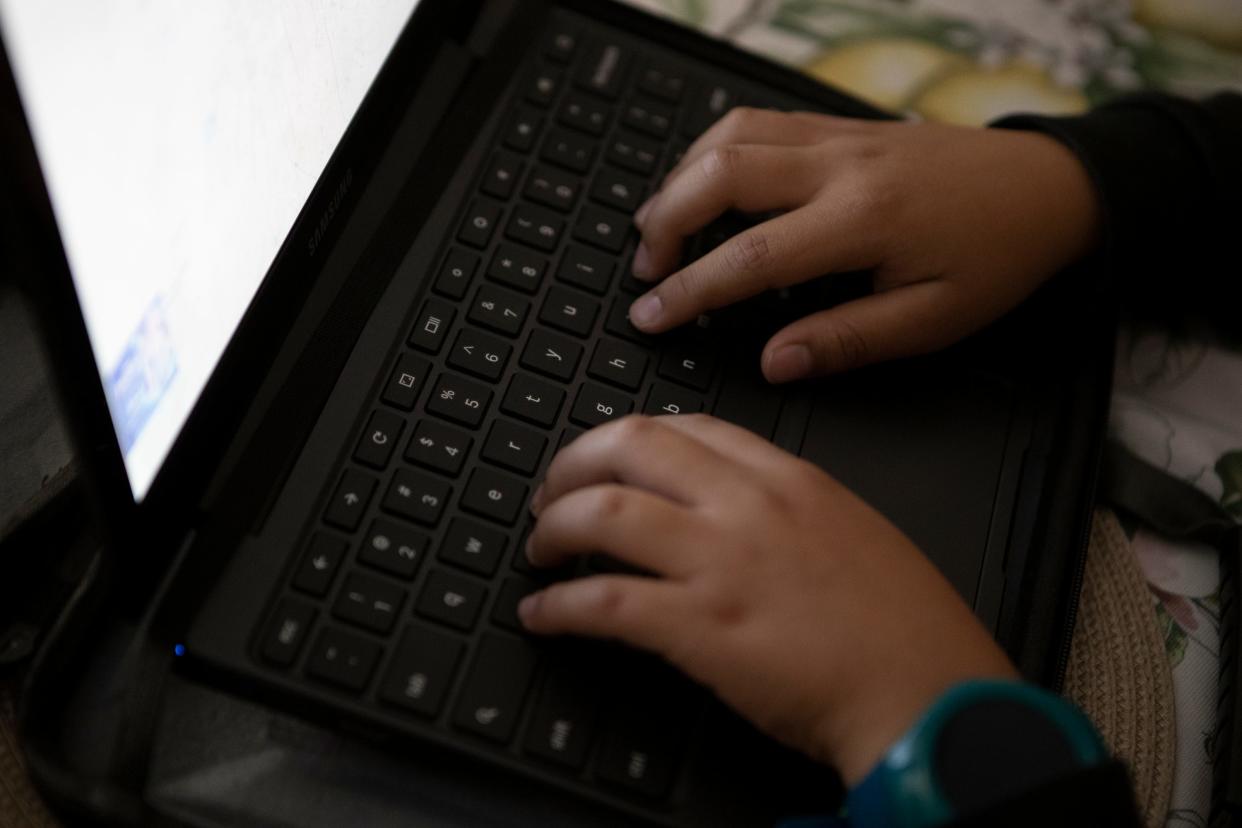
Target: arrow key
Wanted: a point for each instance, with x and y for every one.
(323, 556)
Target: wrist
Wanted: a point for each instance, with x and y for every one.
(981, 743)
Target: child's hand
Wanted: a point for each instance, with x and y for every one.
(958, 224)
(800, 606)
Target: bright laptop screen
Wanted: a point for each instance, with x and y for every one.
(179, 140)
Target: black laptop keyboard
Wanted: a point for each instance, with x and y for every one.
(404, 594)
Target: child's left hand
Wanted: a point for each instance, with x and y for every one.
(799, 605)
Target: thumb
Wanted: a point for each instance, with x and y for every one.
(909, 320)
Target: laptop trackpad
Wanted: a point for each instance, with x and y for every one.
(926, 448)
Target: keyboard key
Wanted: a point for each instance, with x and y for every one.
(451, 599)
(497, 684)
(517, 267)
(417, 497)
(663, 83)
(568, 435)
(552, 188)
(460, 400)
(647, 726)
(596, 405)
(422, 671)
(286, 631)
(502, 176)
(432, 326)
(618, 363)
(319, 564)
(543, 86)
(586, 268)
(343, 659)
(618, 189)
(513, 447)
(747, 400)
(473, 546)
(480, 223)
(603, 228)
(689, 365)
(498, 310)
(438, 447)
(650, 118)
(378, 439)
(494, 495)
(584, 114)
(480, 354)
(393, 548)
(563, 724)
(569, 311)
(708, 104)
(634, 153)
(618, 323)
(561, 46)
(455, 274)
(671, 399)
(512, 591)
(349, 501)
(406, 381)
(551, 354)
(532, 400)
(536, 227)
(524, 129)
(603, 70)
(567, 149)
(369, 602)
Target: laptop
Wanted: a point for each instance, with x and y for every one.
(328, 286)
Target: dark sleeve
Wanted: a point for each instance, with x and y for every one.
(1169, 175)
(1090, 798)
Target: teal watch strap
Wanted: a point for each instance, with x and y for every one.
(906, 788)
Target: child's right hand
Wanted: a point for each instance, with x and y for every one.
(959, 225)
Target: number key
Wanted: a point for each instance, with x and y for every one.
(438, 447)
(460, 400)
(479, 354)
(517, 267)
(498, 310)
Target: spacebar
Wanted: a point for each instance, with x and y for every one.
(748, 400)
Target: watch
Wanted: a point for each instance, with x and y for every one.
(979, 744)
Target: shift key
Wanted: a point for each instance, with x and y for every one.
(495, 688)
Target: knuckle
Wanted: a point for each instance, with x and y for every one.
(631, 429)
(609, 504)
(722, 162)
(748, 253)
(737, 118)
(846, 346)
(606, 599)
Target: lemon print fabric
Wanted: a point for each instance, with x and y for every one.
(972, 61)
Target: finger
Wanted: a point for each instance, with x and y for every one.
(783, 251)
(747, 125)
(648, 613)
(638, 451)
(909, 320)
(631, 525)
(731, 441)
(751, 178)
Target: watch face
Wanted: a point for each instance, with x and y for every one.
(994, 749)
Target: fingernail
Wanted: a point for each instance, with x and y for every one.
(527, 606)
(536, 501)
(642, 262)
(789, 363)
(646, 311)
(641, 216)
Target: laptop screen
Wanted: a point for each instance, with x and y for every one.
(179, 141)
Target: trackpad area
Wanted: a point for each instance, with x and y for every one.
(926, 448)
